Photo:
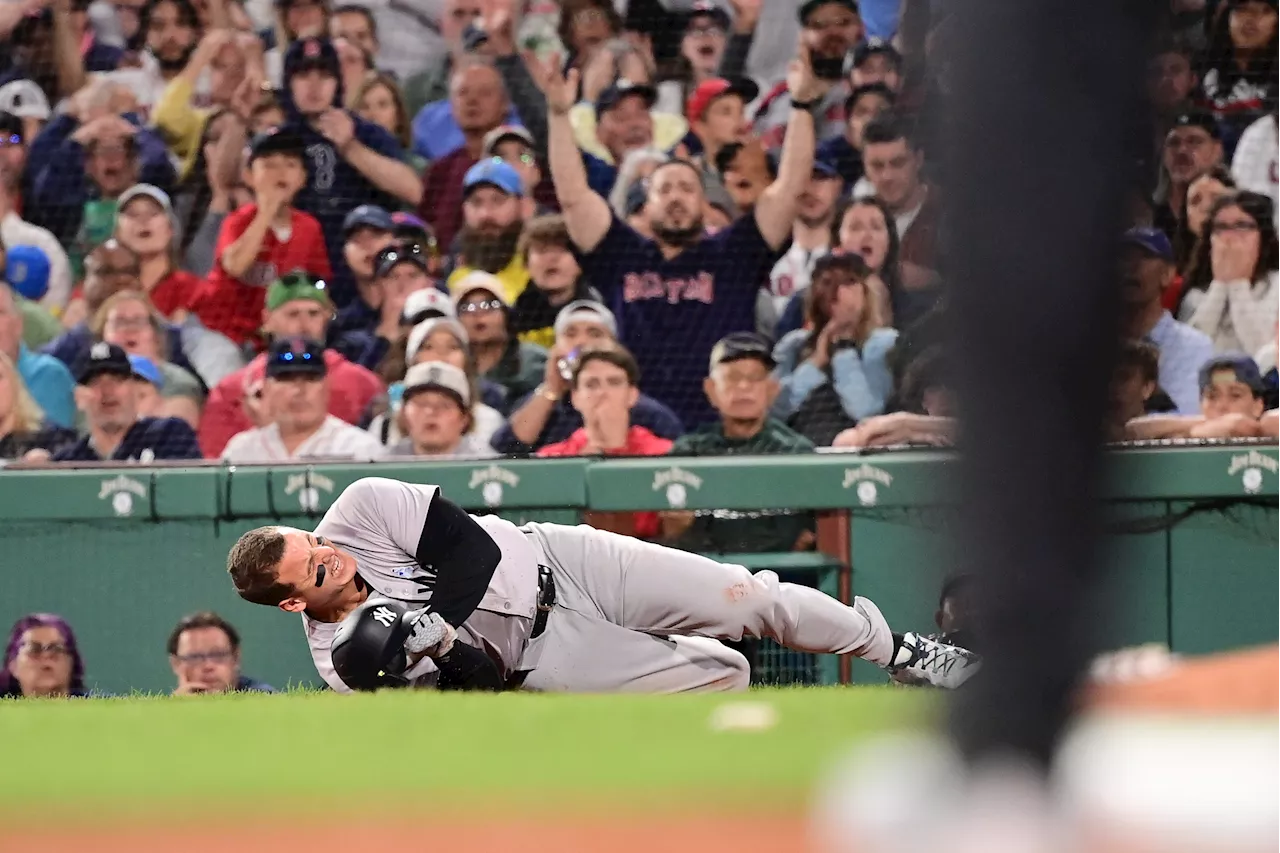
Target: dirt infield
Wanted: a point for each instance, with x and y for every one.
(560, 834)
(1233, 683)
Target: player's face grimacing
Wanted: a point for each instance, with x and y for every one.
(315, 569)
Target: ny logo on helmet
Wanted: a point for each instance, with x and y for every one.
(384, 615)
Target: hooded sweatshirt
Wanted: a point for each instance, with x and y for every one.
(333, 185)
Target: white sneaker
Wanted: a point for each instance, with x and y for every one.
(923, 660)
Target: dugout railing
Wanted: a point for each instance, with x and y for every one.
(124, 551)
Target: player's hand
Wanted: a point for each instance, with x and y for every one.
(337, 126)
(560, 89)
(802, 83)
(432, 636)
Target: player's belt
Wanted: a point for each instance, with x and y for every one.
(546, 600)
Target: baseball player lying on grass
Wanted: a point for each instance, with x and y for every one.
(399, 586)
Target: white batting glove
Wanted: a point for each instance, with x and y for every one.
(432, 636)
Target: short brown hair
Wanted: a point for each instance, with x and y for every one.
(617, 356)
(548, 230)
(203, 619)
(1142, 355)
(252, 565)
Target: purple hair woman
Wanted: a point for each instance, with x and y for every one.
(42, 659)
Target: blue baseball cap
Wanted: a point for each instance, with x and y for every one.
(1243, 368)
(622, 89)
(823, 169)
(368, 216)
(145, 368)
(309, 53)
(492, 173)
(27, 271)
(1153, 241)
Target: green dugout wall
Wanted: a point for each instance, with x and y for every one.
(124, 552)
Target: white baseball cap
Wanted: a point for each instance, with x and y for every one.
(418, 335)
(586, 309)
(437, 374)
(427, 299)
(501, 134)
(24, 99)
(150, 191)
(477, 280)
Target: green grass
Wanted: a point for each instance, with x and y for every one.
(315, 750)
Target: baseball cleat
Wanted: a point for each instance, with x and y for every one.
(924, 660)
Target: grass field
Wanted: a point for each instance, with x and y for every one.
(316, 750)
(312, 772)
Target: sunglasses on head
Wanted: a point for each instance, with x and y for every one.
(297, 279)
(526, 158)
(395, 254)
(482, 305)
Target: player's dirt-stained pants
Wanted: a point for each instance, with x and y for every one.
(633, 616)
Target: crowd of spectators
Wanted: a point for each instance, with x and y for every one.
(43, 660)
(257, 232)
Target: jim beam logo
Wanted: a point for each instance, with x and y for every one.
(490, 480)
(864, 478)
(308, 487)
(121, 490)
(676, 482)
(1252, 464)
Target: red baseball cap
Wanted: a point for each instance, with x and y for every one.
(709, 90)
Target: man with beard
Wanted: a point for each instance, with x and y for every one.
(1192, 146)
(170, 30)
(829, 31)
(478, 100)
(1146, 265)
(492, 219)
(810, 240)
(350, 161)
(678, 294)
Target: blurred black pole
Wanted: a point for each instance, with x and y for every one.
(1039, 162)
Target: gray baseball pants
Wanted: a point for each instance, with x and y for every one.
(632, 616)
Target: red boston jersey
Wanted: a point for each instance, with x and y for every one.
(233, 306)
(174, 291)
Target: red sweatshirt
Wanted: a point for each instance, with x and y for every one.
(640, 442)
(233, 306)
(351, 388)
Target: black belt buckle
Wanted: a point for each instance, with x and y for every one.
(546, 601)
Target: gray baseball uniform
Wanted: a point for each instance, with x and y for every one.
(628, 615)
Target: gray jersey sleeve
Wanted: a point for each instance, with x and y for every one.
(384, 516)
